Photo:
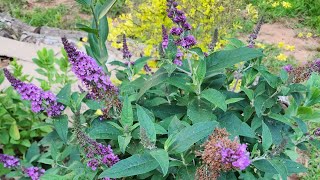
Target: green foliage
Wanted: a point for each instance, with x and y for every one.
(47, 66)
(168, 115)
(19, 126)
(308, 10)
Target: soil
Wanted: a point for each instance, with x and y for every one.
(305, 48)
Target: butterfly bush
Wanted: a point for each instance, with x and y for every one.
(40, 100)
(181, 31)
(9, 161)
(14, 163)
(97, 153)
(93, 77)
(34, 172)
(221, 154)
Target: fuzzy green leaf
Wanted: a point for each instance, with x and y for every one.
(162, 158)
(188, 136)
(134, 165)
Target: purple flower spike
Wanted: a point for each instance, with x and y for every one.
(241, 157)
(187, 26)
(9, 161)
(40, 100)
(177, 31)
(126, 53)
(147, 68)
(88, 71)
(93, 164)
(288, 68)
(178, 62)
(165, 38)
(34, 172)
(317, 132)
(188, 42)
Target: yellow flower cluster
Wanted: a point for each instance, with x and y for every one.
(282, 57)
(284, 4)
(286, 46)
(143, 21)
(252, 12)
(302, 35)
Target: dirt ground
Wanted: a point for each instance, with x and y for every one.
(305, 48)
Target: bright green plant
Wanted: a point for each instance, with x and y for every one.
(47, 64)
(19, 127)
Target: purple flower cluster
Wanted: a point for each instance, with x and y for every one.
(126, 53)
(40, 100)
(88, 71)
(178, 59)
(97, 153)
(165, 38)
(180, 19)
(34, 172)
(254, 35)
(146, 68)
(177, 31)
(9, 161)
(317, 132)
(188, 41)
(239, 158)
(288, 68)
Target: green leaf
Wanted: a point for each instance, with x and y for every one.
(233, 100)
(61, 125)
(280, 168)
(126, 113)
(215, 97)
(186, 173)
(248, 92)
(272, 80)
(64, 95)
(157, 78)
(103, 130)
(201, 70)
(294, 167)
(106, 7)
(92, 104)
(103, 30)
(188, 136)
(281, 118)
(274, 166)
(175, 126)
(139, 63)
(86, 28)
(284, 75)
(266, 137)
(33, 152)
(123, 142)
(134, 165)
(197, 51)
(14, 131)
(162, 158)
(198, 111)
(223, 59)
(146, 122)
(235, 126)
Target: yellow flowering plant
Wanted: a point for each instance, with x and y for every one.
(207, 14)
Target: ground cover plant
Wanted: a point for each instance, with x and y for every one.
(196, 115)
